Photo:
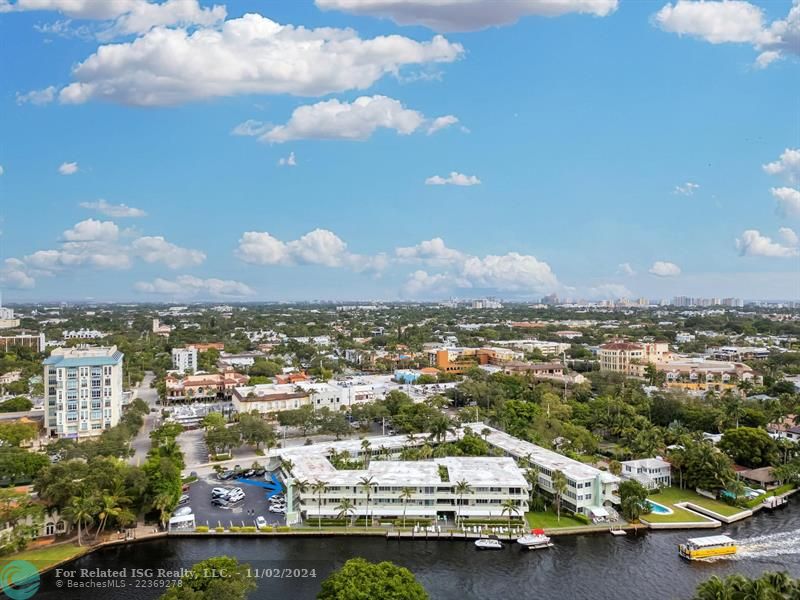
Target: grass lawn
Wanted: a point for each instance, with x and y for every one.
(678, 516)
(671, 495)
(549, 520)
(45, 557)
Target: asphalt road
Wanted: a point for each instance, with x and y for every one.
(141, 443)
(255, 504)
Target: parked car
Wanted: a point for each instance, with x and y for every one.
(235, 496)
(225, 475)
(220, 502)
(277, 509)
(261, 522)
(183, 511)
(220, 492)
(183, 499)
(248, 473)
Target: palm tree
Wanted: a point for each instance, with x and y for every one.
(713, 589)
(111, 505)
(319, 488)
(365, 451)
(462, 487)
(366, 484)
(559, 488)
(346, 509)
(510, 508)
(615, 467)
(81, 511)
(163, 503)
(439, 429)
(405, 495)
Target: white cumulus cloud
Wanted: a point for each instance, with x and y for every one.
(92, 230)
(123, 17)
(734, 21)
(352, 121)
(626, 269)
(189, 286)
(753, 243)
(466, 15)
(789, 236)
(788, 200)
(118, 211)
(68, 168)
(440, 123)
(787, 165)
(662, 268)
(38, 97)
(433, 251)
(318, 247)
(455, 178)
(248, 55)
(155, 249)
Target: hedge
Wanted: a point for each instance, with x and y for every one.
(411, 522)
(580, 517)
(283, 528)
(201, 529)
(219, 529)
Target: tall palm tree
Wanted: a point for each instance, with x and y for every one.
(365, 451)
(559, 488)
(111, 505)
(405, 495)
(346, 509)
(319, 488)
(461, 488)
(366, 484)
(510, 508)
(81, 511)
(713, 589)
(439, 429)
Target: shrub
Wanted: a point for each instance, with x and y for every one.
(219, 529)
(249, 529)
(234, 529)
(201, 529)
(283, 528)
(581, 517)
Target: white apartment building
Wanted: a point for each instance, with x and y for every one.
(83, 390)
(652, 473)
(491, 480)
(543, 346)
(589, 490)
(184, 359)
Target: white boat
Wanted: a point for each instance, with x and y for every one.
(534, 541)
(491, 543)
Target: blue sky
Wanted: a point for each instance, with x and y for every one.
(409, 150)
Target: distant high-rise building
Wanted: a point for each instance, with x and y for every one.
(550, 299)
(184, 359)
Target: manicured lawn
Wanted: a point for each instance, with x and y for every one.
(678, 516)
(671, 495)
(549, 520)
(42, 558)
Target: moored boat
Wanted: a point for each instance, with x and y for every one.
(490, 543)
(711, 546)
(535, 540)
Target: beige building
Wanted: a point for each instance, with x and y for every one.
(632, 358)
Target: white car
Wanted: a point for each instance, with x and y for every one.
(261, 522)
(235, 496)
(183, 511)
(277, 499)
(277, 509)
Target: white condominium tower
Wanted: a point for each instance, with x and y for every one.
(83, 387)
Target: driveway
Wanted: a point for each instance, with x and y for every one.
(255, 503)
(193, 444)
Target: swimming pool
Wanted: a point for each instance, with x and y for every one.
(658, 509)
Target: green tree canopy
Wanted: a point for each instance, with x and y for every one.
(360, 579)
(216, 578)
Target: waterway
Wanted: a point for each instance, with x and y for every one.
(595, 567)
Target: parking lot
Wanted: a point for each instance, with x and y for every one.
(255, 504)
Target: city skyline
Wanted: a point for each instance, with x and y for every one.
(375, 150)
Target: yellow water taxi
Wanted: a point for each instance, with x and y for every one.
(707, 547)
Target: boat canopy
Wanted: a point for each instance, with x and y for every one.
(712, 540)
(598, 511)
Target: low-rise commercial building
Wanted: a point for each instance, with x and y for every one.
(631, 358)
(203, 386)
(35, 341)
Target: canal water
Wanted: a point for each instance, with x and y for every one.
(595, 567)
